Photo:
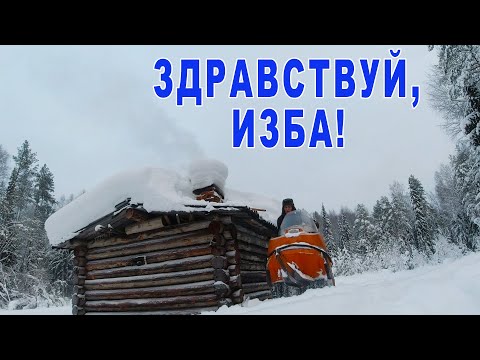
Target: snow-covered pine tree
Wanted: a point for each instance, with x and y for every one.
(44, 193)
(4, 157)
(7, 224)
(346, 262)
(44, 202)
(60, 261)
(472, 117)
(455, 92)
(383, 224)
(457, 71)
(384, 243)
(423, 226)
(328, 234)
(345, 232)
(472, 130)
(363, 231)
(468, 229)
(401, 219)
(448, 205)
(28, 264)
(26, 163)
(318, 219)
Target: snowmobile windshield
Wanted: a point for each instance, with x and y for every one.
(298, 218)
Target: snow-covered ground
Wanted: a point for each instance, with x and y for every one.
(61, 310)
(449, 288)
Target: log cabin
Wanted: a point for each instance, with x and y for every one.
(133, 261)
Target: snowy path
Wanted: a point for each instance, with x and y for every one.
(61, 310)
(449, 288)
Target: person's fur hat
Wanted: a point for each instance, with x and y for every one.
(287, 201)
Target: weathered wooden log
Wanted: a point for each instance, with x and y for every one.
(249, 266)
(261, 295)
(219, 262)
(187, 311)
(237, 296)
(254, 277)
(78, 289)
(254, 227)
(172, 278)
(216, 227)
(253, 249)
(78, 279)
(228, 236)
(247, 229)
(221, 275)
(118, 221)
(233, 257)
(152, 304)
(218, 250)
(160, 239)
(151, 224)
(247, 239)
(191, 263)
(75, 242)
(80, 251)
(218, 240)
(163, 232)
(172, 219)
(79, 270)
(76, 310)
(230, 245)
(241, 245)
(254, 287)
(172, 242)
(171, 230)
(233, 270)
(150, 258)
(252, 240)
(203, 287)
(221, 289)
(225, 302)
(232, 230)
(252, 257)
(235, 282)
(166, 218)
(225, 219)
(78, 300)
(79, 261)
(136, 215)
(252, 234)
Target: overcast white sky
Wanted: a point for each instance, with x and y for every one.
(90, 111)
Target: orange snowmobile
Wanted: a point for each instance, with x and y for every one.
(298, 259)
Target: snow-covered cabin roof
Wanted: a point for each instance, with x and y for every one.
(154, 190)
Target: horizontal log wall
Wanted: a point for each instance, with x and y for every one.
(155, 268)
(158, 268)
(183, 311)
(252, 250)
(159, 243)
(202, 287)
(79, 276)
(177, 302)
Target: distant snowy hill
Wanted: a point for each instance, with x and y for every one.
(449, 288)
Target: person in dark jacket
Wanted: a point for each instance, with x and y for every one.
(287, 206)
